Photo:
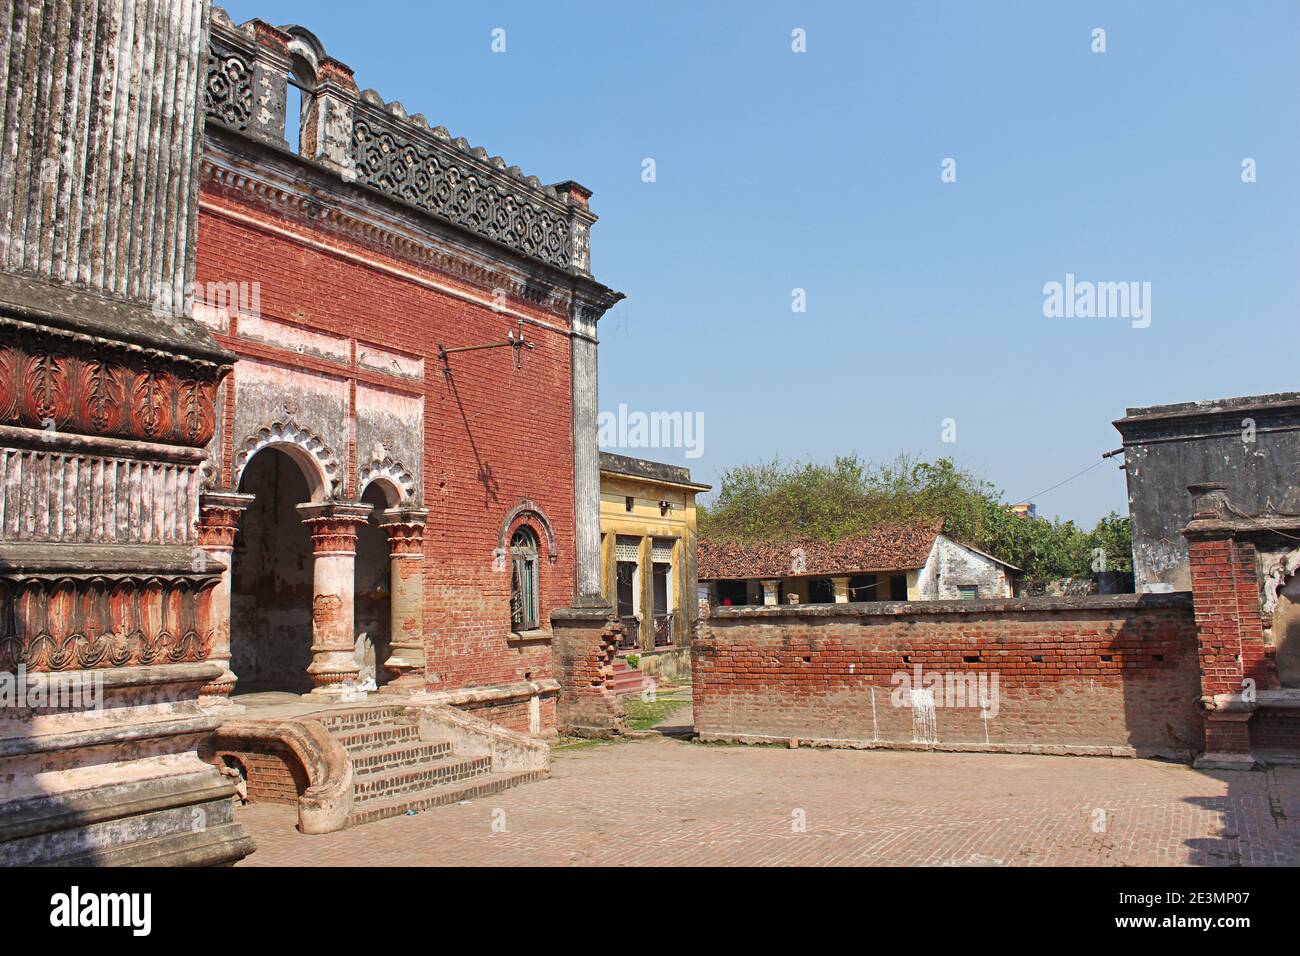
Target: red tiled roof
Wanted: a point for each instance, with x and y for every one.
(886, 548)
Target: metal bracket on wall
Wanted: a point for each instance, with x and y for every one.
(514, 340)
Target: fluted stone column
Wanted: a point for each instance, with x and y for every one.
(586, 461)
(333, 668)
(219, 515)
(405, 664)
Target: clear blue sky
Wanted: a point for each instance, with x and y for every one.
(821, 170)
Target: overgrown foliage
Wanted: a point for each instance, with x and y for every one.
(777, 501)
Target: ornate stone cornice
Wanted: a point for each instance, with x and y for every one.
(60, 623)
(290, 198)
(359, 138)
(71, 382)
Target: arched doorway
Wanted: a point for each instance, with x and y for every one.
(373, 607)
(271, 579)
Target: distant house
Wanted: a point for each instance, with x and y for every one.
(891, 563)
(647, 534)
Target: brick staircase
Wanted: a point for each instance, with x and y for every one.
(396, 769)
(626, 680)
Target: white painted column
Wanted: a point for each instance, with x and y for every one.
(770, 592)
(841, 590)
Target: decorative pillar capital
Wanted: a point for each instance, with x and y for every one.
(1212, 515)
(334, 524)
(219, 514)
(405, 530)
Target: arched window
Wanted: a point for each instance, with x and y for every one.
(523, 580)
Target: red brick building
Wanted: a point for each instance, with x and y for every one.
(406, 515)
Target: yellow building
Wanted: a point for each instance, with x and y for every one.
(647, 548)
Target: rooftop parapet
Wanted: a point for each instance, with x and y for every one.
(378, 145)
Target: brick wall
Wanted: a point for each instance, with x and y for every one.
(492, 436)
(1114, 674)
(273, 773)
(1226, 583)
(585, 640)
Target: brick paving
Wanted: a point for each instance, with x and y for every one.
(671, 802)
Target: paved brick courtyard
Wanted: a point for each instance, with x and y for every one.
(670, 802)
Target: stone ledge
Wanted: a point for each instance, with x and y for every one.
(565, 615)
(1285, 699)
(1053, 750)
(497, 693)
(1098, 604)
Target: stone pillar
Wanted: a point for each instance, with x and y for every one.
(405, 530)
(327, 127)
(586, 461)
(107, 402)
(219, 515)
(770, 592)
(333, 525)
(589, 303)
(841, 590)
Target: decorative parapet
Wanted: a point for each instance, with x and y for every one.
(379, 146)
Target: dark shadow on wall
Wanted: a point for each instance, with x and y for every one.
(482, 469)
(372, 603)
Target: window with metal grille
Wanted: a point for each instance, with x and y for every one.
(523, 580)
(968, 592)
(627, 548)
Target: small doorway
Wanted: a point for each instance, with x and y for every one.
(271, 580)
(372, 601)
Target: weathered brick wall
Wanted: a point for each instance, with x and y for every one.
(493, 436)
(273, 773)
(1225, 580)
(585, 640)
(1112, 674)
(515, 714)
(1276, 730)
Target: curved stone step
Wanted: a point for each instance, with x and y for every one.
(343, 721)
(442, 795)
(381, 786)
(368, 762)
(378, 738)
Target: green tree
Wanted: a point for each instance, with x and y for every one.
(779, 501)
